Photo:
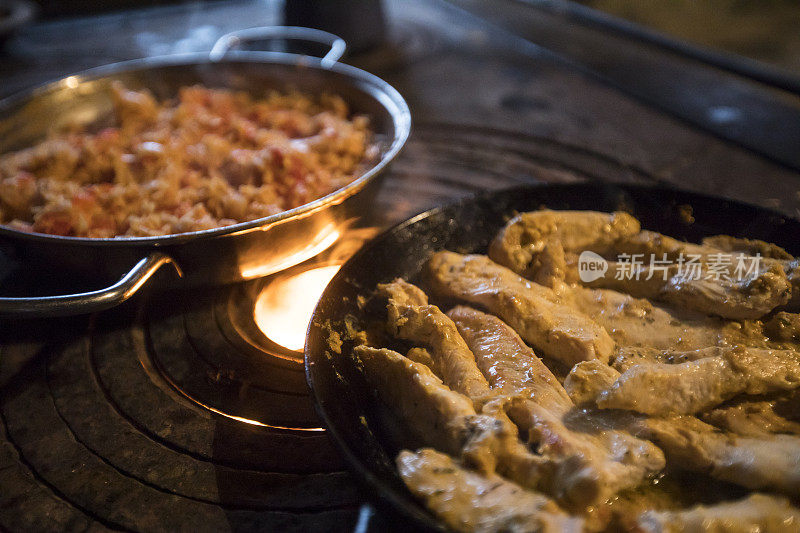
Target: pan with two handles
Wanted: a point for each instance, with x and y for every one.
(241, 251)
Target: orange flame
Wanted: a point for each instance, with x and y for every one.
(284, 307)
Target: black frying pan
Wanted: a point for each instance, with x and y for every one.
(341, 395)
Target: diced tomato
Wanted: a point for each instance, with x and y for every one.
(54, 223)
(84, 200)
(102, 225)
(277, 157)
(108, 135)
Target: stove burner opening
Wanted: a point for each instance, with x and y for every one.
(284, 307)
(236, 350)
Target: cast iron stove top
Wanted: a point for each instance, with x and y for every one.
(175, 411)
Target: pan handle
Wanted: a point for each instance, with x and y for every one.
(229, 41)
(88, 302)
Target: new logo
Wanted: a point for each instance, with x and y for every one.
(591, 266)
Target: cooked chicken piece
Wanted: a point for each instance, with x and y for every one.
(756, 418)
(519, 244)
(628, 357)
(440, 417)
(771, 463)
(549, 267)
(402, 293)
(738, 299)
(637, 322)
(415, 394)
(783, 327)
(647, 242)
(532, 245)
(650, 242)
(468, 501)
(535, 400)
(757, 512)
(532, 310)
(771, 256)
(792, 269)
(613, 460)
(503, 357)
(748, 298)
(423, 357)
(736, 245)
(588, 379)
(412, 318)
(672, 389)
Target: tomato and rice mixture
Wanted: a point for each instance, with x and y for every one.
(210, 158)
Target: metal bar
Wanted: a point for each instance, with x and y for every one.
(742, 66)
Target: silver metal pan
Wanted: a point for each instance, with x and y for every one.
(222, 255)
